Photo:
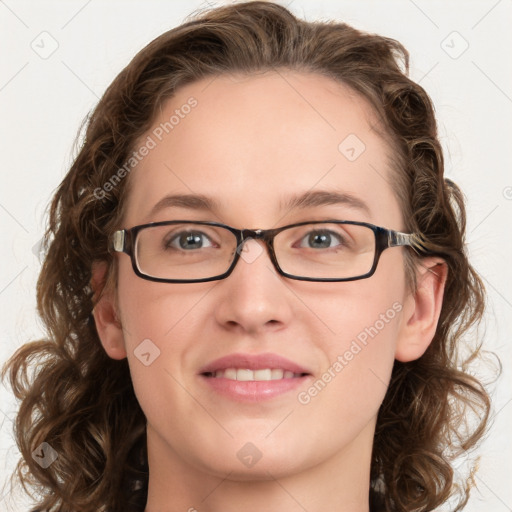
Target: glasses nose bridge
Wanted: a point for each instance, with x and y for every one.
(265, 235)
(252, 233)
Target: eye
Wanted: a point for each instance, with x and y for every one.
(323, 239)
(187, 240)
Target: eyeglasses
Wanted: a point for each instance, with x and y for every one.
(185, 251)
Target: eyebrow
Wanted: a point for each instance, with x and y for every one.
(309, 199)
(315, 198)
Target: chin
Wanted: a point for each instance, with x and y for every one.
(264, 469)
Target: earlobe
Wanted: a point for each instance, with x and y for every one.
(108, 326)
(422, 310)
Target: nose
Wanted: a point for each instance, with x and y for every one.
(253, 297)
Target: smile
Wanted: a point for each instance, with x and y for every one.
(245, 374)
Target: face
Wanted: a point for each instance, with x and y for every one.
(251, 143)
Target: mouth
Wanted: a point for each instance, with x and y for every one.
(253, 377)
(247, 375)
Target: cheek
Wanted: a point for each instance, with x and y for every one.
(345, 398)
(362, 345)
(153, 310)
(364, 309)
(361, 357)
(155, 318)
(364, 319)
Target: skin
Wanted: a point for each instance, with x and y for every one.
(249, 142)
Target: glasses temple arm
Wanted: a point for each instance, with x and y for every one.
(397, 239)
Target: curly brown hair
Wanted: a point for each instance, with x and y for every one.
(82, 403)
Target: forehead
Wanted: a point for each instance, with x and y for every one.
(254, 144)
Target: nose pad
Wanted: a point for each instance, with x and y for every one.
(250, 250)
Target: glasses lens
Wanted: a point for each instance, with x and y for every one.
(326, 250)
(184, 251)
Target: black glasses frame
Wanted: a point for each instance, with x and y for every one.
(124, 240)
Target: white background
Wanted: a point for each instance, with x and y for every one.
(43, 101)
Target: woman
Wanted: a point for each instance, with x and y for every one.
(255, 284)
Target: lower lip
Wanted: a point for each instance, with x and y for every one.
(253, 391)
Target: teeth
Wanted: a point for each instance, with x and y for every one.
(276, 374)
(229, 373)
(244, 374)
(262, 374)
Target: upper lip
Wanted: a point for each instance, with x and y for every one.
(252, 362)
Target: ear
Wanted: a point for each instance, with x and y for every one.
(421, 310)
(105, 313)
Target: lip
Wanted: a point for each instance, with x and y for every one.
(253, 391)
